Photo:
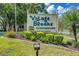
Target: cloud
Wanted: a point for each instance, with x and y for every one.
(60, 9)
(51, 9)
(47, 4)
(65, 10)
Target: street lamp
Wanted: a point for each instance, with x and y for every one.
(37, 47)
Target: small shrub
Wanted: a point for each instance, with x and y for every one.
(28, 34)
(49, 38)
(32, 38)
(70, 42)
(67, 40)
(21, 34)
(64, 42)
(10, 34)
(42, 39)
(39, 35)
(58, 39)
(76, 44)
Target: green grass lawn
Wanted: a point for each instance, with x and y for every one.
(16, 47)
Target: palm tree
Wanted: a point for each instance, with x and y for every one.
(70, 17)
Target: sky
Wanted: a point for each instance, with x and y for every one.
(61, 8)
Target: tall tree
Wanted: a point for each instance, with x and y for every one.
(31, 8)
(70, 17)
(7, 13)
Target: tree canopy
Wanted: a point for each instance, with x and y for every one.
(71, 21)
(7, 13)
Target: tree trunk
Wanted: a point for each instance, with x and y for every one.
(12, 28)
(74, 31)
(7, 27)
(25, 26)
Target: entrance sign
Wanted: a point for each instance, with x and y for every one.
(42, 22)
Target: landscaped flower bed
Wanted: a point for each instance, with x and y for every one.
(43, 37)
(50, 38)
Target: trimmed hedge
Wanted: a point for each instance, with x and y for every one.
(47, 38)
(32, 38)
(10, 34)
(39, 35)
(28, 34)
(58, 39)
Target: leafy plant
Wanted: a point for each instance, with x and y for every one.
(32, 38)
(10, 34)
(58, 39)
(49, 38)
(76, 44)
(27, 34)
(70, 18)
(21, 34)
(67, 40)
(39, 35)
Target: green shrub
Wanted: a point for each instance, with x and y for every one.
(58, 39)
(32, 38)
(49, 38)
(27, 34)
(70, 42)
(67, 40)
(43, 39)
(39, 35)
(76, 44)
(21, 34)
(10, 34)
